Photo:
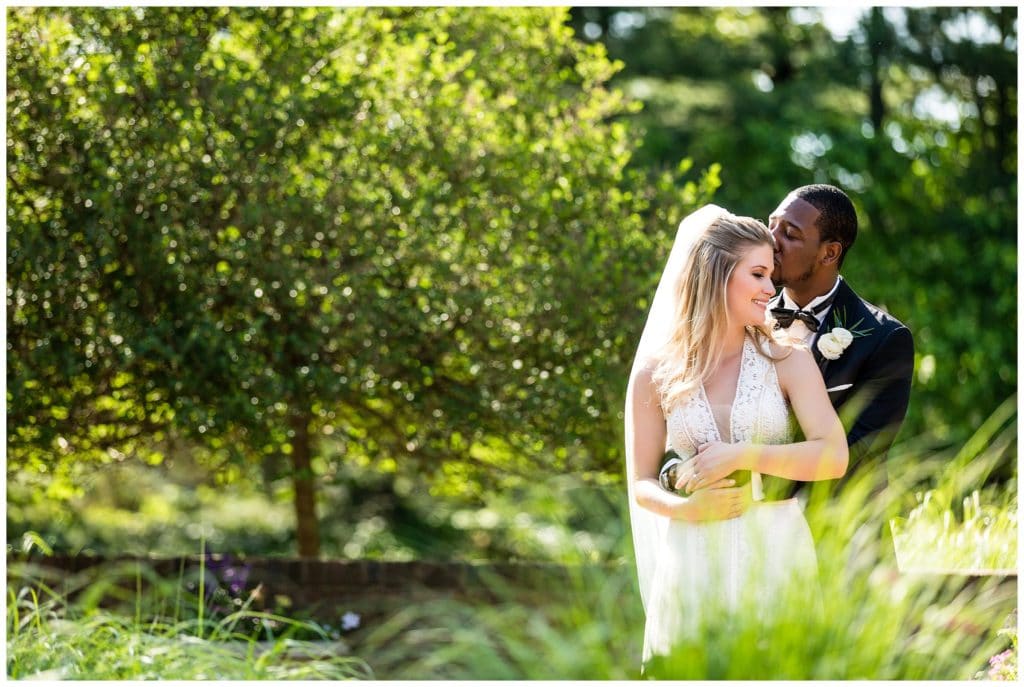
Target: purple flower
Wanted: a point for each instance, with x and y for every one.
(226, 569)
(1003, 666)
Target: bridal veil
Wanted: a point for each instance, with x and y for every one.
(648, 528)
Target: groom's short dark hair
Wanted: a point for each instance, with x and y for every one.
(838, 218)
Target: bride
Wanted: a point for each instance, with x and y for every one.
(709, 382)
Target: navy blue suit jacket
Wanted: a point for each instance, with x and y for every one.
(876, 371)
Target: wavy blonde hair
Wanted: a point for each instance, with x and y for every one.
(701, 314)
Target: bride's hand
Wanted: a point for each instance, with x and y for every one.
(714, 461)
(714, 504)
(685, 475)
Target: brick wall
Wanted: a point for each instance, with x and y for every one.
(320, 587)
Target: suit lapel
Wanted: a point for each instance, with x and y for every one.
(819, 358)
(839, 304)
(848, 307)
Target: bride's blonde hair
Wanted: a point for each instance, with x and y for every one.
(701, 314)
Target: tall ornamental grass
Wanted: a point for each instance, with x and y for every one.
(865, 618)
(868, 615)
(105, 626)
(963, 522)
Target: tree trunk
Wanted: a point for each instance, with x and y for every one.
(307, 527)
(1004, 159)
(876, 45)
(781, 49)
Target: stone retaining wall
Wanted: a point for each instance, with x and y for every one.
(320, 586)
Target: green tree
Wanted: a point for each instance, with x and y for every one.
(940, 201)
(912, 113)
(411, 231)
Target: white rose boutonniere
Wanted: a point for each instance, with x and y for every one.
(838, 340)
(831, 346)
(843, 336)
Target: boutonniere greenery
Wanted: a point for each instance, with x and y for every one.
(836, 341)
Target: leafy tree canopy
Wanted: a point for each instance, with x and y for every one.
(408, 235)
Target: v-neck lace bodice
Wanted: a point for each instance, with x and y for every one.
(711, 406)
(759, 413)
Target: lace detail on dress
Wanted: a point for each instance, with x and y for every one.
(691, 424)
(759, 412)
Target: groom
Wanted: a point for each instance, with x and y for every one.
(868, 367)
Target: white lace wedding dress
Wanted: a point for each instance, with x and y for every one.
(737, 565)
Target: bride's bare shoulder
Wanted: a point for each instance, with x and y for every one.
(642, 378)
(792, 360)
(648, 363)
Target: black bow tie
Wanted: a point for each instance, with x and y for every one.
(786, 316)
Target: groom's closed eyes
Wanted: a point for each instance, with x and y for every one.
(790, 231)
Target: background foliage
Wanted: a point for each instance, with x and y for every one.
(389, 265)
(398, 237)
(913, 113)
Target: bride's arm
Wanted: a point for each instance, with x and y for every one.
(648, 446)
(824, 454)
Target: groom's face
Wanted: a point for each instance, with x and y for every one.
(797, 241)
